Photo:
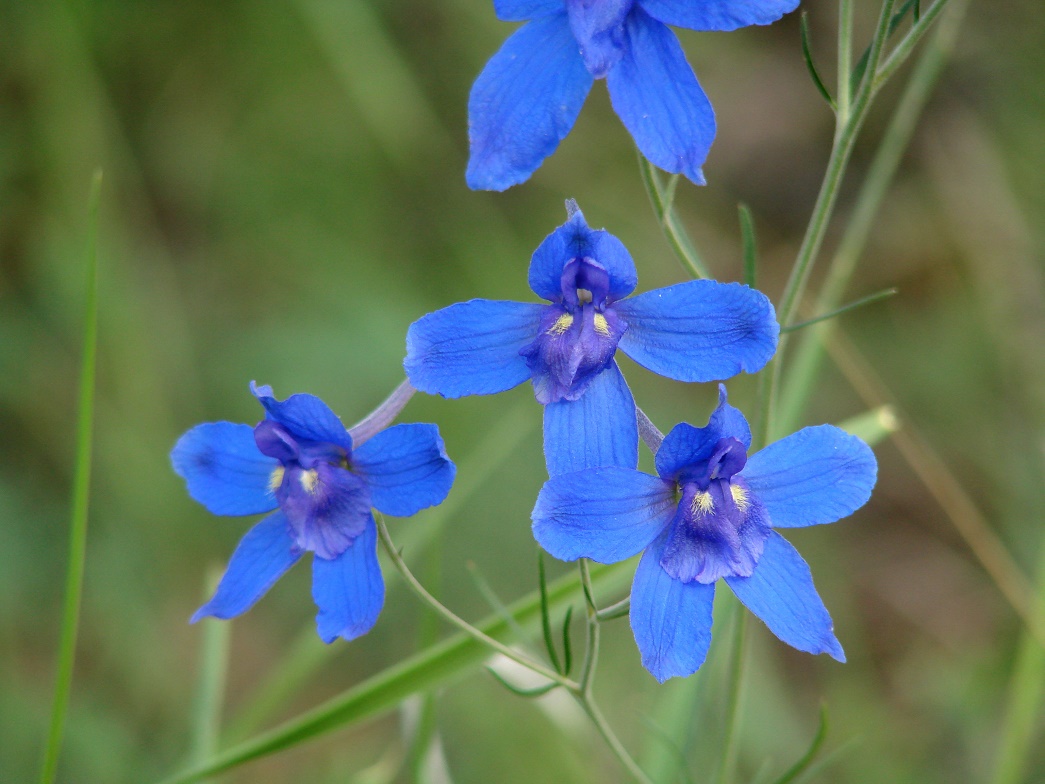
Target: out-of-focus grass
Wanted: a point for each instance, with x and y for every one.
(286, 195)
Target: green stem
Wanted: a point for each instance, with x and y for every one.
(736, 680)
(80, 501)
(669, 222)
(592, 709)
(802, 370)
(447, 615)
(906, 46)
(214, 649)
(845, 57)
(591, 651)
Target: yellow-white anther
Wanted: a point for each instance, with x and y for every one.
(583, 296)
(601, 325)
(309, 480)
(702, 503)
(563, 323)
(276, 479)
(740, 497)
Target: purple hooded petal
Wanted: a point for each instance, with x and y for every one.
(700, 330)
(817, 475)
(575, 240)
(406, 467)
(524, 103)
(717, 14)
(224, 470)
(306, 417)
(349, 590)
(598, 429)
(471, 348)
(659, 100)
(686, 445)
(263, 555)
(606, 514)
(671, 620)
(327, 506)
(781, 593)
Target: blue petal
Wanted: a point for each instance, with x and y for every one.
(406, 467)
(471, 348)
(717, 14)
(686, 445)
(599, 29)
(781, 593)
(574, 239)
(261, 558)
(671, 620)
(701, 330)
(817, 475)
(518, 10)
(599, 429)
(349, 590)
(606, 514)
(657, 96)
(224, 470)
(305, 416)
(524, 103)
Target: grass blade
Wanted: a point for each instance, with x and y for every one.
(799, 767)
(214, 647)
(750, 244)
(81, 498)
(880, 295)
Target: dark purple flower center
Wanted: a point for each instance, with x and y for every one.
(578, 334)
(720, 528)
(326, 504)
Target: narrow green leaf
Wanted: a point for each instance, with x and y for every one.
(879, 295)
(749, 244)
(872, 426)
(567, 649)
(807, 54)
(492, 599)
(534, 692)
(546, 624)
(894, 22)
(80, 499)
(807, 759)
(385, 690)
(618, 610)
(214, 650)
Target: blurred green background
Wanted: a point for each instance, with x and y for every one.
(284, 194)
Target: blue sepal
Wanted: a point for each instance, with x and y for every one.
(519, 10)
(781, 593)
(306, 417)
(224, 470)
(717, 14)
(524, 103)
(606, 514)
(471, 348)
(263, 555)
(815, 476)
(700, 330)
(406, 467)
(658, 98)
(671, 620)
(349, 590)
(598, 429)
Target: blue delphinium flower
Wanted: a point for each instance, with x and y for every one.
(300, 461)
(529, 95)
(709, 515)
(695, 331)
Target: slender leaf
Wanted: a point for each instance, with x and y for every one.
(861, 65)
(537, 691)
(80, 500)
(546, 625)
(749, 244)
(807, 55)
(807, 759)
(676, 235)
(567, 648)
(877, 296)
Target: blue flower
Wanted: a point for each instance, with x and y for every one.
(709, 515)
(300, 461)
(529, 95)
(695, 331)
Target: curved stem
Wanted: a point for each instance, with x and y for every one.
(669, 222)
(648, 432)
(419, 591)
(382, 416)
(613, 741)
(591, 651)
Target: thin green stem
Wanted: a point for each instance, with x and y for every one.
(845, 57)
(736, 681)
(591, 651)
(906, 46)
(803, 368)
(592, 709)
(80, 500)
(419, 590)
(661, 199)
